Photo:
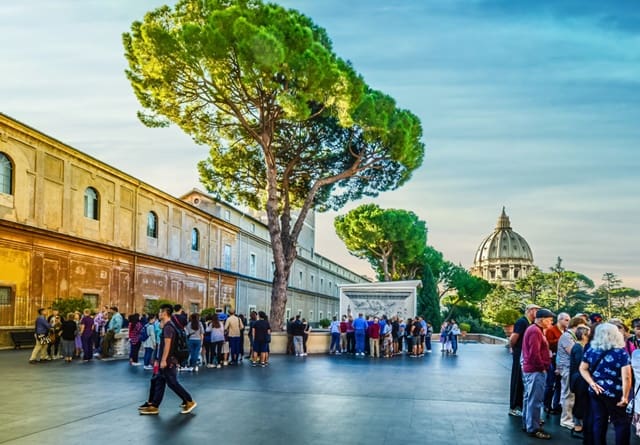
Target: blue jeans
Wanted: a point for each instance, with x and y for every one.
(168, 377)
(297, 344)
(552, 389)
(359, 341)
(603, 408)
(534, 385)
(195, 345)
(454, 343)
(335, 342)
(148, 354)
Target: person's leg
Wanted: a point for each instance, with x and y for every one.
(171, 375)
(566, 400)
(158, 387)
(549, 387)
(599, 420)
(454, 343)
(193, 351)
(536, 401)
(427, 341)
(621, 422)
(297, 344)
(516, 389)
(37, 352)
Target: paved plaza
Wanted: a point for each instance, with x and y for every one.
(314, 400)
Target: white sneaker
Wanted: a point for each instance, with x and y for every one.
(567, 425)
(148, 367)
(195, 369)
(304, 354)
(210, 365)
(219, 366)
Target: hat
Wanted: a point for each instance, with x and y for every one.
(595, 317)
(544, 313)
(531, 306)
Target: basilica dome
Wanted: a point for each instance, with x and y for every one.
(504, 256)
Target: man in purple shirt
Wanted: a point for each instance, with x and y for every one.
(536, 358)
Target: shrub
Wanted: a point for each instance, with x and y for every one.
(153, 306)
(66, 305)
(324, 323)
(507, 316)
(465, 327)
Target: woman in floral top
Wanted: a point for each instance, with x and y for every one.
(606, 368)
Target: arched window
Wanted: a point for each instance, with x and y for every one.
(91, 203)
(152, 225)
(195, 240)
(6, 175)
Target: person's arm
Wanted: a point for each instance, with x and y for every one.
(514, 339)
(626, 385)
(165, 353)
(586, 375)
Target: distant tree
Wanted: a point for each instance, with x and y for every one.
(428, 298)
(618, 301)
(565, 284)
(66, 305)
(532, 285)
(469, 290)
(392, 240)
(291, 127)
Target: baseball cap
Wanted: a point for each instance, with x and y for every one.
(544, 313)
(531, 306)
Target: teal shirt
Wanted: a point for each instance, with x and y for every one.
(115, 323)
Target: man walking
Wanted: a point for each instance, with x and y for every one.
(536, 358)
(42, 333)
(516, 389)
(167, 365)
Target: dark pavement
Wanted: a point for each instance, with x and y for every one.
(314, 400)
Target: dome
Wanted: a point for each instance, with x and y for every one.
(504, 255)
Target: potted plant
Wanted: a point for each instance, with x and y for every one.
(464, 329)
(507, 318)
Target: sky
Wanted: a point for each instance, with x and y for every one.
(531, 105)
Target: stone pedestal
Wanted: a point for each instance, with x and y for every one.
(121, 344)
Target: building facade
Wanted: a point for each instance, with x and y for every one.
(74, 227)
(504, 256)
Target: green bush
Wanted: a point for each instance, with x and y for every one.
(482, 327)
(207, 311)
(465, 327)
(507, 317)
(153, 306)
(66, 305)
(324, 323)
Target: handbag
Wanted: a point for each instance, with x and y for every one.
(632, 404)
(43, 339)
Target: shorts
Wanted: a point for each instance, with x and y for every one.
(260, 346)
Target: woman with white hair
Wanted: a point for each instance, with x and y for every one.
(606, 368)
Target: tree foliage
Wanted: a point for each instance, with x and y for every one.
(290, 126)
(392, 240)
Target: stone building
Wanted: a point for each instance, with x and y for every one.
(504, 256)
(72, 226)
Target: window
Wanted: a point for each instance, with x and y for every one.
(195, 240)
(6, 174)
(91, 203)
(152, 225)
(227, 215)
(493, 274)
(252, 264)
(253, 228)
(321, 283)
(311, 315)
(252, 308)
(194, 308)
(226, 257)
(300, 279)
(273, 268)
(288, 313)
(311, 279)
(319, 315)
(92, 299)
(5, 296)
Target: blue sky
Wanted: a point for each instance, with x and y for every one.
(534, 105)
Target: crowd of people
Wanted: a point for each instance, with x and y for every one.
(580, 368)
(383, 336)
(214, 341)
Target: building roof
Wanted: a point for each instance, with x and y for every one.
(503, 244)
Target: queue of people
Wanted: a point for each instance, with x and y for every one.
(381, 336)
(579, 368)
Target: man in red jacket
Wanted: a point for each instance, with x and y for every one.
(536, 358)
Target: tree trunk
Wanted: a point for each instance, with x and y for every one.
(278, 301)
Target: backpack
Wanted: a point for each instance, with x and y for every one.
(180, 347)
(144, 334)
